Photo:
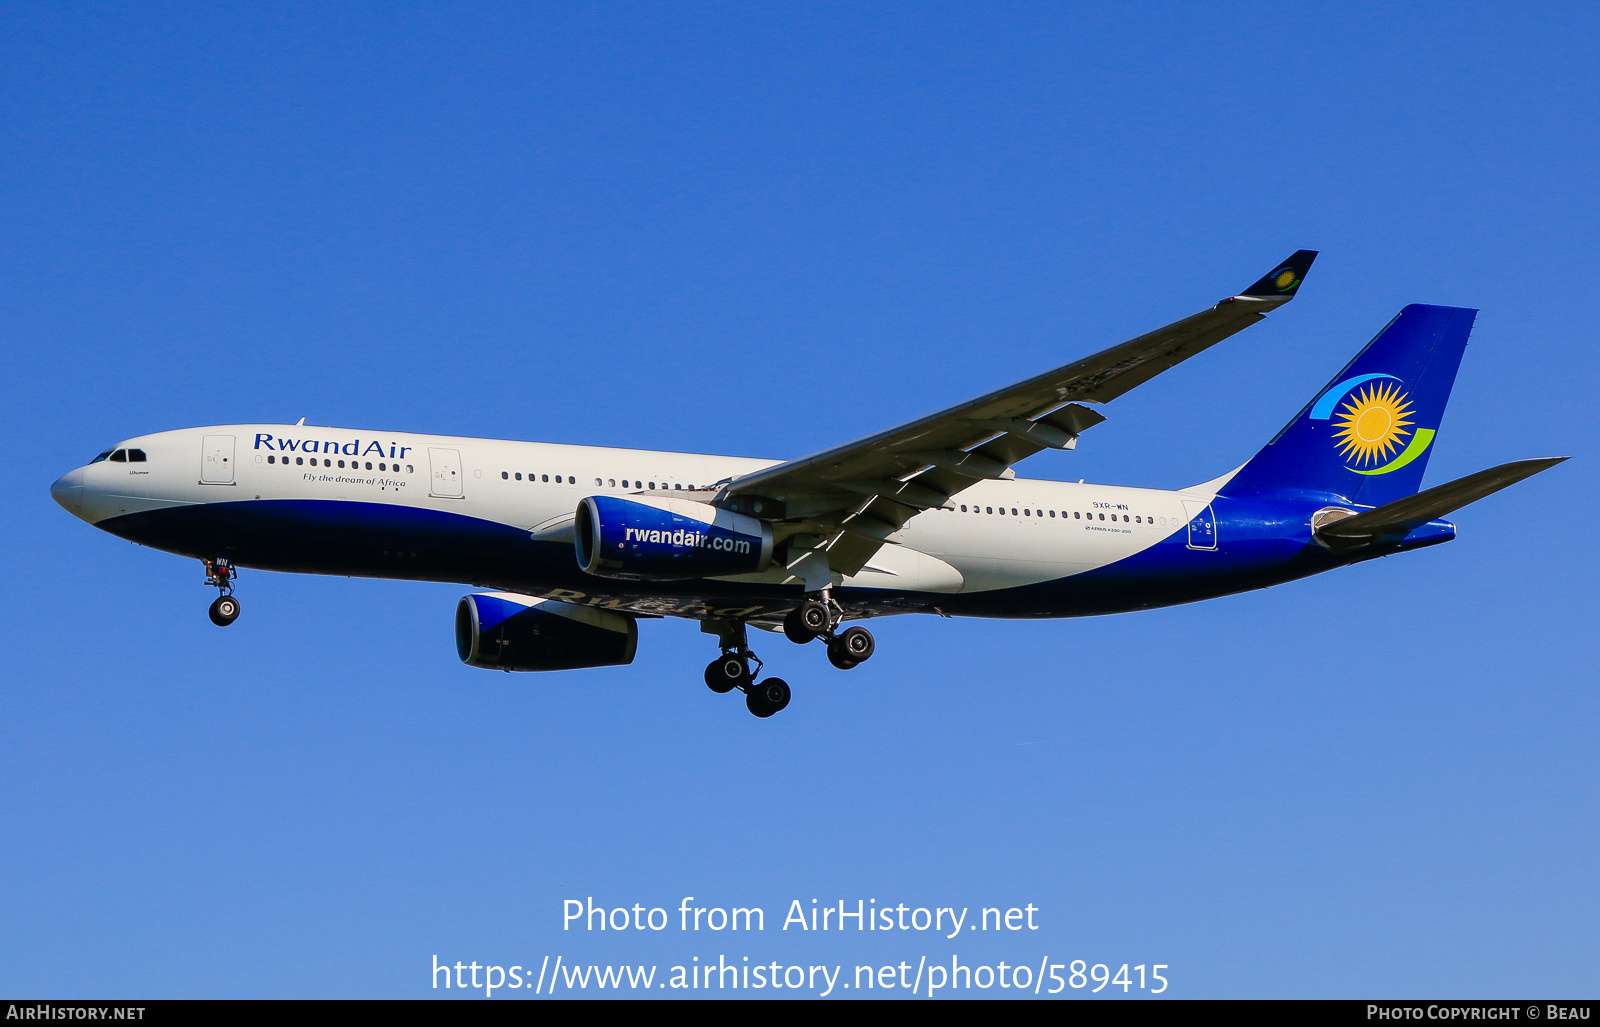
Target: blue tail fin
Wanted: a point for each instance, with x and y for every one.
(1368, 434)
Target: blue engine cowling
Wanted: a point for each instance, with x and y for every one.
(505, 631)
(659, 539)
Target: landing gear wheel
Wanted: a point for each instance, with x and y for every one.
(727, 672)
(224, 611)
(838, 657)
(815, 617)
(768, 697)
(850, 648)
(857, 644)
(794, 628)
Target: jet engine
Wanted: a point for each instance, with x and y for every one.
(660, 539)
(506, 631)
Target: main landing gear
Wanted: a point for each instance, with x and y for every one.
(733, 670)
(219, 575)
(818, 617)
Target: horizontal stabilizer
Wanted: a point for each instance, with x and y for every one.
(1405, 514)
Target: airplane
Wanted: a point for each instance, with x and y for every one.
(578, 543)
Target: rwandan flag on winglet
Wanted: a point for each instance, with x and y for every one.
(1368, 434)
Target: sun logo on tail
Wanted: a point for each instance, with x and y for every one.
(1372, 425)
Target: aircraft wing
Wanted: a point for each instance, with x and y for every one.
(851, 499)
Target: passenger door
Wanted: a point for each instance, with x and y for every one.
(445, 473)
(216, 460)
(1202, 525)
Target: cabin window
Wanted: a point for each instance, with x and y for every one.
(408, 468)
(652, 485)
(271, 459)
(341, 463)
(1052, 513)
(989, 508)
(613, 482)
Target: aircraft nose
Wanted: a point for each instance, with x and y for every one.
(68, 491)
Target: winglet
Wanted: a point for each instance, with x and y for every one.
(1280, 284)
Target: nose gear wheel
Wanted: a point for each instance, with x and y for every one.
(220, 574)
(224, 611)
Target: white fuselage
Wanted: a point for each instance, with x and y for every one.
(995, 535)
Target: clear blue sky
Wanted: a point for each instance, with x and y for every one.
(763, 230)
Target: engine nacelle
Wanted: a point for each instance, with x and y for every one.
(660, 539)
(506, 631)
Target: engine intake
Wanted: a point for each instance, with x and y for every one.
(660, 539)
(506, 631)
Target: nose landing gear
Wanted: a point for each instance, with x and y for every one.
(219, 575)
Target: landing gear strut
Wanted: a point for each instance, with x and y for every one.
(818, 617)
(219, 575)
(733, 670)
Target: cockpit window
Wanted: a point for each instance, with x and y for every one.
(136, 456)
(101, 457)
(120, 456)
